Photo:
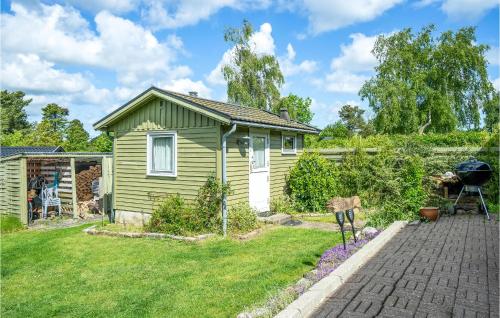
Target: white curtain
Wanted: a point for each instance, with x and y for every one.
(162, 154)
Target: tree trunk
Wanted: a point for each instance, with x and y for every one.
(424, 126)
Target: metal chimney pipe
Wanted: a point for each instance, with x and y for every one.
(284, 114)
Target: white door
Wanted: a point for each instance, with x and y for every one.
(259, 172)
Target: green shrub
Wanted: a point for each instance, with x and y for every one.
(491, 188)
(311, 182)
(371, 177)
(174, 216)
(209, 200)
(282, 204)
(10, 223)
(242, 218)
(452, 139)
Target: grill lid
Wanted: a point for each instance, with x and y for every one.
(474, 172)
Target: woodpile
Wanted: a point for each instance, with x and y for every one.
(88, 208)
(84, 182)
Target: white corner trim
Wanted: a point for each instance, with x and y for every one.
(149, 151)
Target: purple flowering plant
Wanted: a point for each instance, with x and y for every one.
(332, 258)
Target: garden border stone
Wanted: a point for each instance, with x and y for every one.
(308, 302)
(93, 231)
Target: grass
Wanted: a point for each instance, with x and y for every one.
(9, 223)
(68, 273)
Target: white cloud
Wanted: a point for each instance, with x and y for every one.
(344, 82)
(174, 14)
(424, 3)
(60, 34)
(496, 84)
(334, 14)
(493, 55)
(115, 6)
(289, 68)
(185, 85)
(328, 113)
(470, 10)
(352, 67)
(262, 43)
(28, 72)
(356, 56)
(467, 9)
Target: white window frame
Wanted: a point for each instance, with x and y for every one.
(288, 151)
(150, 136)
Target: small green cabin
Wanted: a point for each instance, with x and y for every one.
(167, 143)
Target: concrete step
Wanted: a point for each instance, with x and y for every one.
(275, 219)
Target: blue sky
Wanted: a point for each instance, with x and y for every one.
(92, 56)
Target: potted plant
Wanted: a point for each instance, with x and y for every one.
(430, 213)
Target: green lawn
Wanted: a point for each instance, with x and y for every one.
(69, 273)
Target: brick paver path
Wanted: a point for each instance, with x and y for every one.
(444, 269)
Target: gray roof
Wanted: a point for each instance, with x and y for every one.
(6, 151)
(244, 113)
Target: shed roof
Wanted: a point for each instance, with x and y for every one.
(6, 151)
(57, 155)
(224, 112)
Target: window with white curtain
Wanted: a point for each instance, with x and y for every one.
(162, 154)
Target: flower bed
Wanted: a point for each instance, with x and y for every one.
(329, 261)
(94, 231)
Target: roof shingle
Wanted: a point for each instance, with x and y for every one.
(225, 111)
(9, 151)
(243, 113)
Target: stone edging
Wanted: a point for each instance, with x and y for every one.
(93, 231)
(308, 302)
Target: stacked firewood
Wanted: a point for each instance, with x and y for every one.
(84, 182)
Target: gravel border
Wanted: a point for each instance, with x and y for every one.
(308, 302)
(93, 231)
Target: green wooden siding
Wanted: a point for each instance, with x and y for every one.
(10, 182)
(237, 167)
(197, 142)
(281, 163)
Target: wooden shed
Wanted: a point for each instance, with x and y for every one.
(17, 168)
(167, 142)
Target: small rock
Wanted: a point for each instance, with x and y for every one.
(311, 275)
(369, 231)
(416, 222)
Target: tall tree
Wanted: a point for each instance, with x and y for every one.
(491, 112)
(298, 108)
(13, 112)
(102, 143)
(425, 83)
(44, 135)
(56, 116)
(77, 138)
(335, 130)
(252, 79)
(352, 117)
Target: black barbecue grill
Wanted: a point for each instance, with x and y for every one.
(473, 174)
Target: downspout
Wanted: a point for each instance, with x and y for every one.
(224, 177)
